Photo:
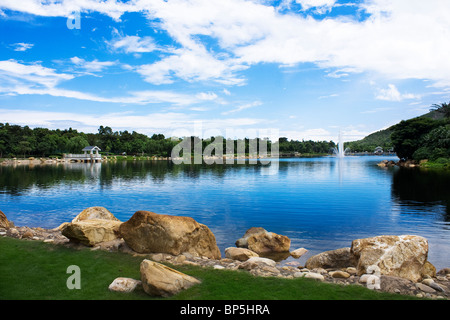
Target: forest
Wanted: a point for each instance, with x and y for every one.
(23, 141)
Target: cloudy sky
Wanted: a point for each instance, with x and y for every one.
(305, 68)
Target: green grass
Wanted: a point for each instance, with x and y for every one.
(32, 270)
(441, 163)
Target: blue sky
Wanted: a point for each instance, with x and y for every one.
(305, 69)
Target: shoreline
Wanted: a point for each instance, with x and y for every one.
(51, 161)
(432, 284)
(341, 276)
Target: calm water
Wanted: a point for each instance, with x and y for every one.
(320, 204)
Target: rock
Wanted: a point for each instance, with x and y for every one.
(124, 285)
(298, 253)
(339, 274)
(424, 288)
(315, 276)
(243, 242)
(395, 285)
(401, 256)
(148, 232)
(91, 232)
(339, 258)
(240, 254)
(444, 272)
(351, 270)
(428, 270)
(257, 262)
(95, 213)
(114, 245)
(160, 280)
(269, 243)
(13, 233)
(28, 234)
(263, 242)
(4, 222)
(430, 282)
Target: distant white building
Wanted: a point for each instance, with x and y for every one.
(90, 155)
(378, 150)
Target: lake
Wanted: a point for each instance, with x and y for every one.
(319, 203)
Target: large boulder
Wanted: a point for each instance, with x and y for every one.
(4, 222)
(91, 232)
(160, 280)
(95, 213)
(92, 226)
(398, 256)
(263, 242)
(339, 258)
(148, 232)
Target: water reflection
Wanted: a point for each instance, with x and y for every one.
(420, 188)
(319, 203)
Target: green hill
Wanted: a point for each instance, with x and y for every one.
(382, 138)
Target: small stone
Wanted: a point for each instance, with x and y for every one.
(425, 288)
(179, 259)
(27, 235)
(339, 274)
(320, 270)
(159, 257)
(218, 267)
(315, 276)
(298, 253)
(13, 232)
(125, 285)
(241, 254)
(436, 287)
(351, 270)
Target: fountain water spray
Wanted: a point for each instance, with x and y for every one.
(339, 151)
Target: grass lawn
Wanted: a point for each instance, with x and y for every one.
(33, 270)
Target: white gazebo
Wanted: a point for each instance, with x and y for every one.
(90, 155)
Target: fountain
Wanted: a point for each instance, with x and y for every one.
(339, 151)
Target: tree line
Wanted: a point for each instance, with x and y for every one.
(424, 137)
(23, 141)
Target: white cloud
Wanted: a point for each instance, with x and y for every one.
(91, 66)
(13, 72)
(207, 96)
(21, 79)
(392, 94)
(21, 46)
(243, 107)
(402, 39)
(133, 44)
(321, 6)
(195, 64)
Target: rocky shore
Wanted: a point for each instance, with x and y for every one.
(402, 163)
(395, 264)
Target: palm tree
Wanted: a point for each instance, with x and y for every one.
(443, 108)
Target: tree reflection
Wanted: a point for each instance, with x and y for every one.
(422, 187)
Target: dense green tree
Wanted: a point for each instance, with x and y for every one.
(407, 135)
